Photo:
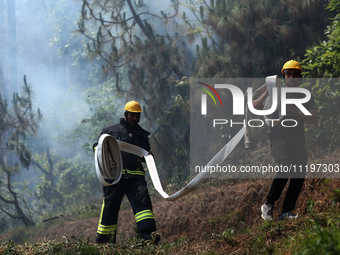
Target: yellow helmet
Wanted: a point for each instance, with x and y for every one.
(291, 64)
(132, 106)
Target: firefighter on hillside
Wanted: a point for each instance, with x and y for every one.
(132, 184)
(288, 146)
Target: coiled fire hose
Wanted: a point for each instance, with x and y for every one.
(108, 160)
(106, 177)
(109, 167)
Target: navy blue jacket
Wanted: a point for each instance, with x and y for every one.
(136, 135)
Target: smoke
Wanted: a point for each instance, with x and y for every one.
(44, 47)
(46, 51)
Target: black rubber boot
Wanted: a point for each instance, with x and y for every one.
(102, 239)
(150, 237)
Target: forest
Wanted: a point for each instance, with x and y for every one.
(67, 68)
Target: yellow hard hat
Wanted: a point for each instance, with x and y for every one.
(132, 106)
(291, 64)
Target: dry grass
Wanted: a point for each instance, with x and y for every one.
(221, 217)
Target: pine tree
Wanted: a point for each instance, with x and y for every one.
(147, 48)
(250, 38)
(126, 39)
(16, 123)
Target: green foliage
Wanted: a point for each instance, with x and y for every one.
(254, 38)
(326, 96)
(336, 196)
(4, 223)
(48, 197)
(322, 241)
(171, 139)
(324, 61)
(228, 236)
(64, 183)
(261, 241)
(324, 235)
(76, 183)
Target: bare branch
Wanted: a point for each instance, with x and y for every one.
(58, 217)
(10, 215)
(6, 200)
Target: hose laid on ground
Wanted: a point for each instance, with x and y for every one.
(109, 166)
(103, 167)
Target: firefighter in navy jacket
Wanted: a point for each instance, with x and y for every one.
(132, 183)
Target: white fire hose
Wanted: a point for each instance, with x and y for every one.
(103, 165)
(271, 82)
(108, 160)
(109, 167)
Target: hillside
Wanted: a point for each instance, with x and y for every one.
(200, 214)
(203, 217)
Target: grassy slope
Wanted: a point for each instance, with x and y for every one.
(219, 218)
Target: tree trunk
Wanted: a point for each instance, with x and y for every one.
(12, 27)
(27, 222)
(3, 89)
